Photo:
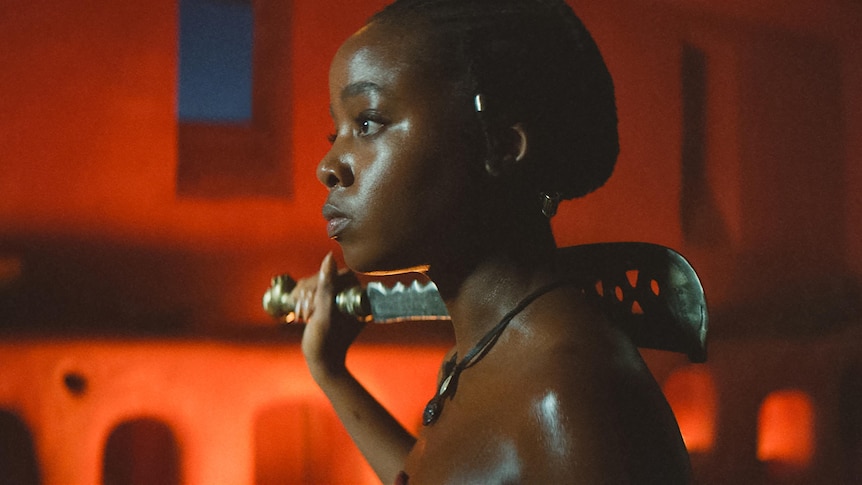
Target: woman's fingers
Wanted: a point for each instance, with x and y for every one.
(323, 294)
(316, 292)
(303, 306)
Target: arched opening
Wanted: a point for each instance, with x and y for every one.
(304, 442)
(18, 464)
(692, 396)
(140, 452)
(785, 433)
(279, 448)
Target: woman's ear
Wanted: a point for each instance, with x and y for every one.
(511, 150)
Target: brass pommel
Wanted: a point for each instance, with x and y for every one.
(277, 301)
(354, 301)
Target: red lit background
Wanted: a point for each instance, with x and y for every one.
(151, 296)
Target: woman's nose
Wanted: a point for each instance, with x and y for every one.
(333, 171)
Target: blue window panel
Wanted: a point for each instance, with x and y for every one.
(215, 65)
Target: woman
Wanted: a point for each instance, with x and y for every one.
(459, 125)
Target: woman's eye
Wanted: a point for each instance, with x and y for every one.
(368, 127)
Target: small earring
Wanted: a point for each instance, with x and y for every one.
(492, 167)
(498, 166)
(550, 202)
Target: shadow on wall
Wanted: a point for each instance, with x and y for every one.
(71, 286)
(79, 286)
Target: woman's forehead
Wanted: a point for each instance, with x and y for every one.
(379, 53)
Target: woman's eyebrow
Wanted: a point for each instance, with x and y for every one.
(360, 87)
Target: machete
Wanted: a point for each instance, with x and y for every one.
(649, 291)
(376, 302)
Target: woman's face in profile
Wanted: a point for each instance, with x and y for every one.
(398, 170)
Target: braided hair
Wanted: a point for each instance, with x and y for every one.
(533, 62)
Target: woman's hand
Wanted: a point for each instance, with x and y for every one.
(328, 333)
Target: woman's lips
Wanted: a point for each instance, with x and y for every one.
(336, 221)
(335, 226)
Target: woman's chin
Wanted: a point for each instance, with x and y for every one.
(378, 266)
(422, 268)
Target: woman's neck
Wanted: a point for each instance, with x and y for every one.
(478, 292)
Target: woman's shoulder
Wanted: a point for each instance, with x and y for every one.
(589, 402)
(557, 400)
(614, 426)
(563, 330)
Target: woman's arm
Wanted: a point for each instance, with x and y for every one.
(379, 436)
(383, 442)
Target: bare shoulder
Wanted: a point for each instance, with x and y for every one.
(561, 398)
(591, 407)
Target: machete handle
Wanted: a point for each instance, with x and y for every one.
(277, 302)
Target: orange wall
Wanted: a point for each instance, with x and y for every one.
(230, 407)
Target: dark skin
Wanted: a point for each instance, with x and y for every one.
(562, 397)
